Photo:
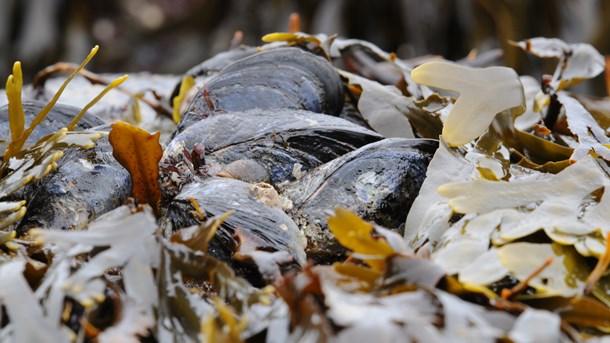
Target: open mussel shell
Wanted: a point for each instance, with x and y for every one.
(87, 184)
(379, 182)
(277, 78)
(274, 230)
(283, 141)
(60, 116)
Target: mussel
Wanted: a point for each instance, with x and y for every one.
(279, 78)
(272, 228)
(257, 112)
(215, 64)
(87, 184)
(219, 61)
(379, 182)
(283, 142)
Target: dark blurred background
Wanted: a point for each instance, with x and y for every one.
(170, 36)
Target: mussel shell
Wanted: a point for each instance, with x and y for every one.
(379, 182)
(215, 64)
(216, 196)
(277, 139)
(220, 61)
(277, 78)
(60, 116)
(87, 184)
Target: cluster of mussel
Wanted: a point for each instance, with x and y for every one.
(263, 137)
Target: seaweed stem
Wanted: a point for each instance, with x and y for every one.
(294, 22)
(552, 113)
(518, 288)
(600, 268)
(112, 85)
(95, 79)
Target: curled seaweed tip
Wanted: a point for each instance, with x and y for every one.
(17, 116)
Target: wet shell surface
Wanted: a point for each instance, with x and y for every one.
(253, 213)
(278, 78)
(379, 182)
(87, 184)
(283, 141)
(215, 64)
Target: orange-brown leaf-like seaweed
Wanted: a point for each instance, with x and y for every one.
(139, 152)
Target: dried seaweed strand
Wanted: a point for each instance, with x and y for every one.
(90, 330)
(518, 288)
(197, 212)
(41, 77)
(600, 268)
(95, 79)
(294, 23)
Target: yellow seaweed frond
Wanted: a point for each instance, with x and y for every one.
(112, 85)
(139, 152)
(225, 327)
(198, 213)
(135, 109)
(355, 234)
(290, 37)
(16, 117)
(17, 143)
(187, 83)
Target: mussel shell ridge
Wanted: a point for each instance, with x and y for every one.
(278, 78)
(280, 140)
(379, 182)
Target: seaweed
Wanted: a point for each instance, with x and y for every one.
(139, 152)
(23, 165)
